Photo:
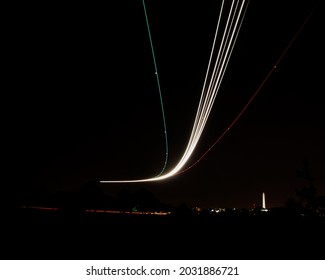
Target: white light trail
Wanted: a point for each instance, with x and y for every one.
(228, 26)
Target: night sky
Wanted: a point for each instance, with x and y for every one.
(83, 102)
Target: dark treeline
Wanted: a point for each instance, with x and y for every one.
(90, 196)
(307, 200)
(184, 234)
(294, 231)
(304, 201)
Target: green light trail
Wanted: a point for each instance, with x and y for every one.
(159, 89)
(228, 26)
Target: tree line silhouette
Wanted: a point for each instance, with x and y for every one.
(308, 201)
(89, 195)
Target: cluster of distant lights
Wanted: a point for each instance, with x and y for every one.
(229, 23)
(156, 213)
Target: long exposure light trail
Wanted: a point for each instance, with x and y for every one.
(159, 89)
(255, 93)
(228, 26)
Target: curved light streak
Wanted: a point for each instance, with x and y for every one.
(219, 61)
(159, 89)
(255, 93)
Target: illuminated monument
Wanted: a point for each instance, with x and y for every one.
(263, 202)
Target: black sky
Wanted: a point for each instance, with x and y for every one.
(82, 101)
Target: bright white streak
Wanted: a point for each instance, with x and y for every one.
(222, 63)
(208, 94)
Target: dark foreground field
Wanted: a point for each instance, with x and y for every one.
(33, 234)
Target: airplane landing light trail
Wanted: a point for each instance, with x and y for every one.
(255, 93)
(228, 26)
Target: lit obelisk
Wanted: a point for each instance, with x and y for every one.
(263, 201)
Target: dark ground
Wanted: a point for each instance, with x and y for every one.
(34, 234)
